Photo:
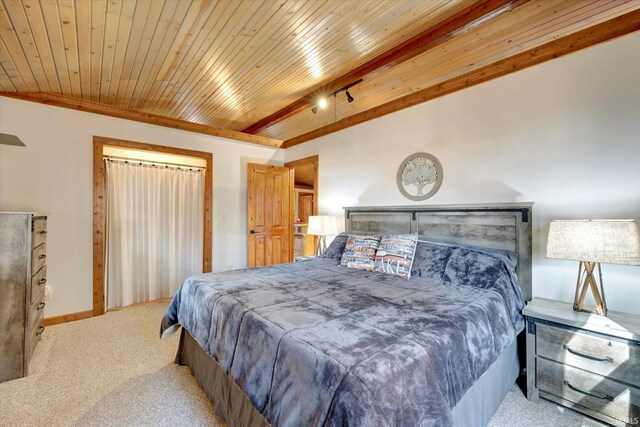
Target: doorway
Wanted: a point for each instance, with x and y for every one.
(269, 214)
(280, 200)
(305, 173)
(149, 161)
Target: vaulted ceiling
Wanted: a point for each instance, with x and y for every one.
(260, 66)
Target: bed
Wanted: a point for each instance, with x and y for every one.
(314, 343)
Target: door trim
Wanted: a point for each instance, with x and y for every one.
(313, 160)
(99, 207)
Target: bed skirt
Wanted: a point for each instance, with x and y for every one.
(229, 401)
(476, 407)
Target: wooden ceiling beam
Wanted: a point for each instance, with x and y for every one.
(606, 31)
(460, 23)
(139, 116)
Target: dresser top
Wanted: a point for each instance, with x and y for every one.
(622, 325)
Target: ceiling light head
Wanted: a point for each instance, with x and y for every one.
(314, 109)
(322, 103)
(349, 97)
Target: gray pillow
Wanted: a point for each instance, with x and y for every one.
(432, 258)
(336, 247)
(510, 258)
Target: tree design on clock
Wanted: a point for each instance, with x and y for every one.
(419, 176)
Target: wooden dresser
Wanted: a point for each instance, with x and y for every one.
(584, 361)
(23, 275)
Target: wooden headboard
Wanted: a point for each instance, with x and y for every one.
(497, 226)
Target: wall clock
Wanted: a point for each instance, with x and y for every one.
(419, 176)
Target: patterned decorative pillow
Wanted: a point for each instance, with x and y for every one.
(360, 252)
(395, 254)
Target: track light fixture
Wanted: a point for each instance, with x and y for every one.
(322, 102)
(349, 97)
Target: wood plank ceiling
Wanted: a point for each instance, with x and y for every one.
(232, 63)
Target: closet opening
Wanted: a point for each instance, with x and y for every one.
(152, 220)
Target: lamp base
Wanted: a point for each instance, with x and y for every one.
(589, 282)
(321, 246)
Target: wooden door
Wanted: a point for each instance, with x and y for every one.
(305, 206)
(270, 215)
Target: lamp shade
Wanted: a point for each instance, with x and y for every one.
(606, 241)
(322, 225)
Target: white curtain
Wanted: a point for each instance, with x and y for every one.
(154, 230)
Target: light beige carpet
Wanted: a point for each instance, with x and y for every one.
(113, 370)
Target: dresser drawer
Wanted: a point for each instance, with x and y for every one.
(36, 310)
(37, 283)
(611, 358)
(39, 231)
(36, 323)
(591, 391)
(35, 335)
(38, 257)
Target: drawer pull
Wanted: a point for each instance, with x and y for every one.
(41, 305)
(43, 256)
(40, 330)
(589, 393)
(42, 232)
(588, 355)
(42, 281)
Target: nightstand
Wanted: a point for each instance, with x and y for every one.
(584, 361)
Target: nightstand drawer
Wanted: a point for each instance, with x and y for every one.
(591, 391)
(611, 358)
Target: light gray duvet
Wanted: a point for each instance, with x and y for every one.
(313, 343)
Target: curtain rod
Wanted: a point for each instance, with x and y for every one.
(129, 159)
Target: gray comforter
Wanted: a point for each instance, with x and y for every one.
(313, 343)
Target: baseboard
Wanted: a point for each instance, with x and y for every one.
(89, 313)
(68, 317)
(138, 304)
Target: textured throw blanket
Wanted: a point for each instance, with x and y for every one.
(313, 343)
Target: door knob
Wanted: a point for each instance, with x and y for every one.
(252, 231)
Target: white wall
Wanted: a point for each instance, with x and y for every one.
(564, 134)
(53, 174)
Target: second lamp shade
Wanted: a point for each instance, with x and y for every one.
(605, 241)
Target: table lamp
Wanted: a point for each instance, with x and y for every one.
(322, 226)
(592, 242)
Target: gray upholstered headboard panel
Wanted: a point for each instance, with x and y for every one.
(497, 226)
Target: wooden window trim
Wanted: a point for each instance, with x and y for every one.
(99, 207)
